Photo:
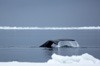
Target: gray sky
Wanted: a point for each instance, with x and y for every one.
(50, 13)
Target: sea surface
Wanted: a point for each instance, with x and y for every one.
(23, 45)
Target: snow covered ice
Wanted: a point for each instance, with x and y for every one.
(81, 60)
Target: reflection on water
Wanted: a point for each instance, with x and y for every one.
(62, 51)
(42, 54)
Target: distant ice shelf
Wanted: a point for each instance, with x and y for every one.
(50, 28)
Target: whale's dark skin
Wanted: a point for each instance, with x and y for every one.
(50, 42)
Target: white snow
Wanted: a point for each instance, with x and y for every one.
(82, 59)
(58, 60)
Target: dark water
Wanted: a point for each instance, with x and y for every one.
(23, 46)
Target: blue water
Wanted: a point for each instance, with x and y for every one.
(23, 45)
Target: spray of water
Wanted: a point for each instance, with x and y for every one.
(68, 44)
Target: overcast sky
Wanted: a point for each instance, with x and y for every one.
(50, 13)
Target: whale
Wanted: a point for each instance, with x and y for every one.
(49, 43)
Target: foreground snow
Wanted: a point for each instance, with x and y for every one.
(84, 59)
(43, 64)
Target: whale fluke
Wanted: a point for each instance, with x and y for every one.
(56, 42)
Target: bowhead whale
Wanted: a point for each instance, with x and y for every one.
(50, 42)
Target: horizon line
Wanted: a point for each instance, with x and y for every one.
(50, 28)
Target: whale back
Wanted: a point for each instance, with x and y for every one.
(56, 42)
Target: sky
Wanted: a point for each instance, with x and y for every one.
(49, 13)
